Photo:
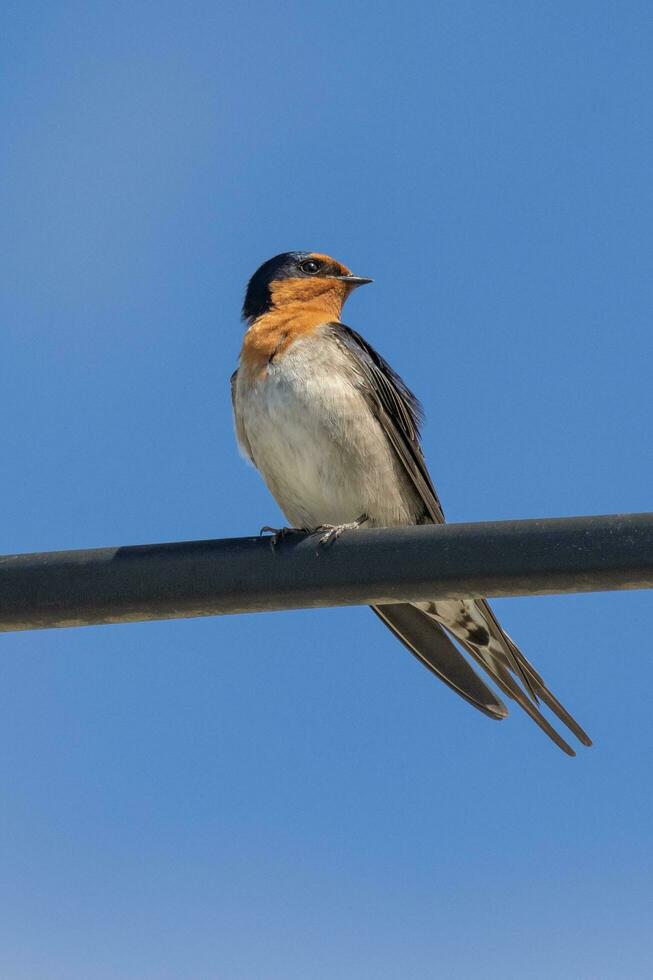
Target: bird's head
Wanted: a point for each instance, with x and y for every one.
(296, 278)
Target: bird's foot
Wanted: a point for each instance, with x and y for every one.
(278, 534)
(333, 531)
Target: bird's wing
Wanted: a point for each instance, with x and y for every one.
(241, 435)
(399, 414)
(428, 641)
(397, 410)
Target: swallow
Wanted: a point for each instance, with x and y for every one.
(334, 432)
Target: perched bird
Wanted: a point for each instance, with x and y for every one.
(334, 432)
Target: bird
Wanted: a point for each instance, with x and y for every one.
(335, 433)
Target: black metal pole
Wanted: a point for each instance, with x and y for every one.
(207, 578)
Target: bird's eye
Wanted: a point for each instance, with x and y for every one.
(310, 267)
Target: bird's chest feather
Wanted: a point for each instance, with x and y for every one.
(310, 431)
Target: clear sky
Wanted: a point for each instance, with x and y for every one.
(292, 795)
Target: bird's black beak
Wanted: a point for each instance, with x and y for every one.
(354, 280)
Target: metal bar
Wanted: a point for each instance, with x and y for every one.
(236, 575)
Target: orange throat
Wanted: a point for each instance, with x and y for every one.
(299, 307)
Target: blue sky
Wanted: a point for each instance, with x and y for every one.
(291, 795)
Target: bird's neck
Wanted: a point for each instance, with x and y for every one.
(270, 335)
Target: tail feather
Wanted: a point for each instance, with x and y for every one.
(421, 628)
(513, 654)
(548, 697)
(509, 686)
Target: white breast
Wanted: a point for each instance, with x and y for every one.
(312, 435)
